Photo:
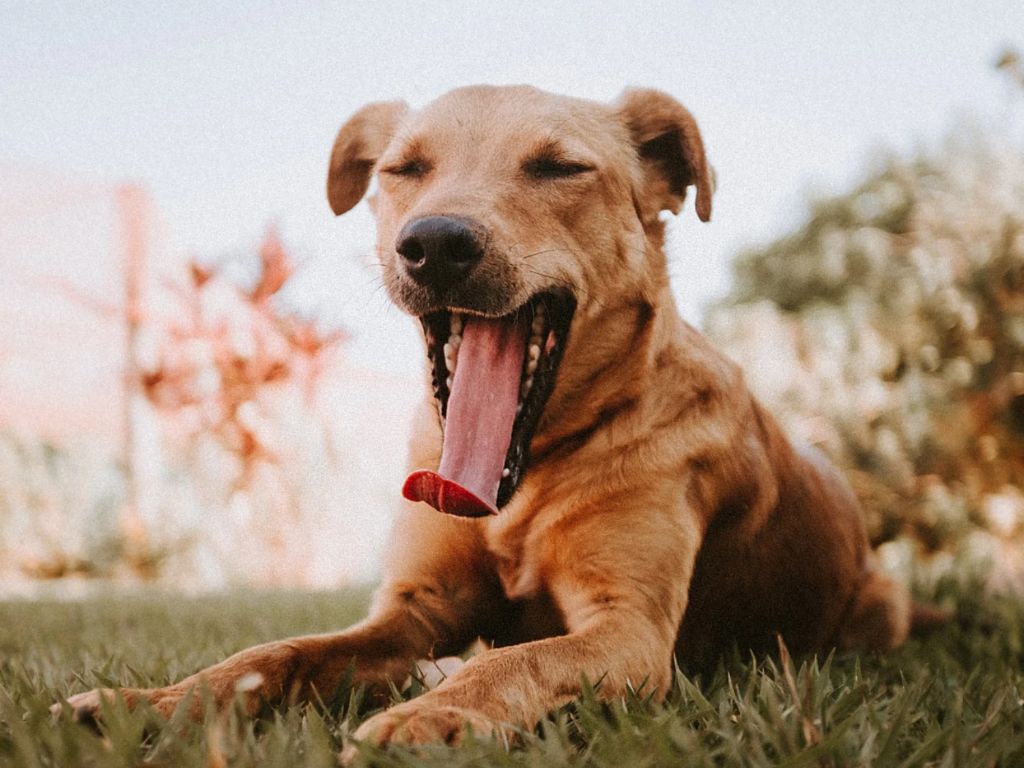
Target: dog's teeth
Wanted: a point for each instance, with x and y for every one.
(534, 352)
(506, 472)
(526, 386)
(448, 381)
(538, 325)
(451, 357)
(455, 340)
(531, 367)
(519, 409)
(456, 324)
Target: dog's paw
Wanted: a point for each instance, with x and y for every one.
(87, 708)
(417, 722)
(84, 707)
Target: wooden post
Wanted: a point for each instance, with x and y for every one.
(134, 219)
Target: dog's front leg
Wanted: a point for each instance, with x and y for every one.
(410, 622)
(622, 596)
(518, 685)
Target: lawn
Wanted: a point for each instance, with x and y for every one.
(952, 699)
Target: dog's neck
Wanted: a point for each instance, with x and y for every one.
(608, 381)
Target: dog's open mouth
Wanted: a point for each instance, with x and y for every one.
(492, 378)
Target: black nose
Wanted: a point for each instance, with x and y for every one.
(439, 251)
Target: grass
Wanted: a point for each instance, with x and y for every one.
(952, 699)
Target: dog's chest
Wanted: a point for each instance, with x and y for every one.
(517, 556)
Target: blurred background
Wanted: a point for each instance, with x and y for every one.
(202, 383)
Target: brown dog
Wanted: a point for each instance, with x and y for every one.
(617, 495)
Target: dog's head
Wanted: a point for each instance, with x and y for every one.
(509, 220)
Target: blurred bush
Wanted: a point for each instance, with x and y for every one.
(239, 457)
(58, 508)
(888, 329)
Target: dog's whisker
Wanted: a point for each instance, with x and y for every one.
(545, 251)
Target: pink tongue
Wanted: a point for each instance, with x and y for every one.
(481, 410)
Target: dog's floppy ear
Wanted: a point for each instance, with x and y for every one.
(670, 148)
(360, 142)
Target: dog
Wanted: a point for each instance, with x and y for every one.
(614, 496)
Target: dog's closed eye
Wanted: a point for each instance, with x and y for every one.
(413, 168)
(548, 166)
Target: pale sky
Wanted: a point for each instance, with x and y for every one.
(226, 111)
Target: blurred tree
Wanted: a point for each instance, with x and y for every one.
(889, 330)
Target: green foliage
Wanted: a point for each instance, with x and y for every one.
(952, 699)
(889, 330)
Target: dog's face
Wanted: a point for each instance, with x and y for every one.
(506, 218)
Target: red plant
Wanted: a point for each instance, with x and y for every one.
(229, 346)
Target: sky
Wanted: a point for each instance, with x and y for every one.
(226, 111)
